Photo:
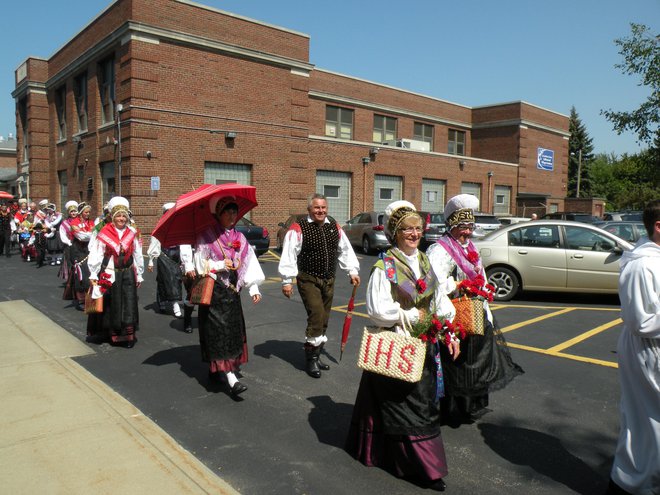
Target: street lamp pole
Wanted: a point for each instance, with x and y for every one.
(579, 173)
(120, 107)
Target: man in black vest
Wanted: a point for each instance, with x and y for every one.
(312, 247)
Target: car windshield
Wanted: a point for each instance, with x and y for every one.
(436, 218)
(486, 219)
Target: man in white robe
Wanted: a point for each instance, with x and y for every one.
(636, 466)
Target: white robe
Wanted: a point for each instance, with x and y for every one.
(636, 466)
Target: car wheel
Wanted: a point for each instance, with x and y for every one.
(505, 282)
(366, 245)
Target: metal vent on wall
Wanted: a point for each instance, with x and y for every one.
(90, 183)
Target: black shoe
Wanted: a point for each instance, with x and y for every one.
(130, 344)
(312, 361)
(237, 389)
(188, 330)
(438, 485)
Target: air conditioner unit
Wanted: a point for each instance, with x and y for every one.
(409, 144)
(90, 183)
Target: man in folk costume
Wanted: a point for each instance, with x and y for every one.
(636, 467)
(170, 262)
(66, 236)
(116, 265)
(7, 226)
(485, 364)
(81, 228)
(312, 248)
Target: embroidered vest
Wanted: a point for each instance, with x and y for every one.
(318, 254)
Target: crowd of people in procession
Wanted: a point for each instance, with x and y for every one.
(395, 424)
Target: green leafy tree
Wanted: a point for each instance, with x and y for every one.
(641, 56)
(580, 149)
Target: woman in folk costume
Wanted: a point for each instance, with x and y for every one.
(81, 228)
(225, 255)
(115, 263)
(66, 236)
(485, 364)
(396, 424)
(52, 223)
(24, 229)
(170, 262)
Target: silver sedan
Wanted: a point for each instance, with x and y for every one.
(551, 255)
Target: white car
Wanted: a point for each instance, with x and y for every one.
(551, 255)
(484, 223)
(512, 220)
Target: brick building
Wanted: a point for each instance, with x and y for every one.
(156, 97)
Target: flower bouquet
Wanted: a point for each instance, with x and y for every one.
(433, 328)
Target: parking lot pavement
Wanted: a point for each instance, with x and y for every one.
(551, 431)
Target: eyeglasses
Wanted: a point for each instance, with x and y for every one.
(465, 226)
(411, 230)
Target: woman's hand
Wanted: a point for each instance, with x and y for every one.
(287, 290)
(138, 284)
(256, 298)
(191, 274)
(229, 264)
(150, 268)
(454, 349)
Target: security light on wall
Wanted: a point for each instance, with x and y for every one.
(230, 135)
(366, 160)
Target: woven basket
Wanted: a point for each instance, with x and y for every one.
(470, 314)
(388, 353)
(93, 306)
(201, 291)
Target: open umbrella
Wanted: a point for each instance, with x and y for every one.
(6, 195)
(191, 214)
(347, 321)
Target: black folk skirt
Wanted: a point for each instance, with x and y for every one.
(396, 425)
(79, 270)
(120, 319)
(222, 335)
(483, 366)
(168, 278)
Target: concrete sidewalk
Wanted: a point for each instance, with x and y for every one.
(63, 431)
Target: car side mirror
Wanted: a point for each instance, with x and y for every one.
(617, 250)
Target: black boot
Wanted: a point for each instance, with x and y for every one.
(187, 318)
(312, 358)
(322, 366)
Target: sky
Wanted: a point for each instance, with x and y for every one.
(551, 53)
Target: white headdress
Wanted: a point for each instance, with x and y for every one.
(460, 209)
(395, 213)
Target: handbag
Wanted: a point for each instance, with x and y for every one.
(93, 306)
(202, 290)
(388, 353)
(469, 314)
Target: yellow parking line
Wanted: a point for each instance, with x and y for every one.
(516, 326)
(547, 352)
(526, 306)
(585, 336)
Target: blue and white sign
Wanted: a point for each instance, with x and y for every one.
(545, 159)
(155, 183)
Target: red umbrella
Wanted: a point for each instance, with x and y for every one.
(191, 214)
(347, 321)
(6, 195)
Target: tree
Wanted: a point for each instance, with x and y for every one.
(580, 149)
(641, 56)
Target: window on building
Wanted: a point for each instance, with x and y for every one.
(423, 132)
(338, 122)
(64, 186)
(386, 193)
(106, 78)
(384, 128)
(107, 181)
(22, 115)
(331, 191)
(80, 95)
(456, 142)
(60, 108)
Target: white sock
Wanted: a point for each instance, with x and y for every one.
(231, 378)
(177, 309)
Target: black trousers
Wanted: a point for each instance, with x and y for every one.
(5, 239)
(316, 294)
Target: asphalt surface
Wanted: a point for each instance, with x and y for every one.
(552, 431)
